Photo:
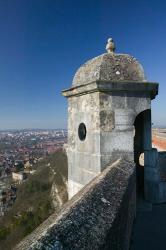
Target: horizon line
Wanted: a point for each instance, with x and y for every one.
(7, 129)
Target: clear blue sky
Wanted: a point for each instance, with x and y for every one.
(43, 42)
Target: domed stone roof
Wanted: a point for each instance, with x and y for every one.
(110, 67)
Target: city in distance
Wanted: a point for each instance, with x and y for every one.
(32, 167)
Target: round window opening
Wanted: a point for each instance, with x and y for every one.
(82, 131)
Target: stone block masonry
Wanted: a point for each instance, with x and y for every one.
(108, 92)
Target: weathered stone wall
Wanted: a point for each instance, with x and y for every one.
(162, 165)
(118, 111)
(155, 176)
(100, 216)
(83, 156)
(109, 116)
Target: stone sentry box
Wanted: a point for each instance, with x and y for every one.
(107, 94)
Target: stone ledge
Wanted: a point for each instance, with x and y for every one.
(151, 88)
(100, 216)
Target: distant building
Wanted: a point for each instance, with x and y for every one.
(27, 165)
(20, 176)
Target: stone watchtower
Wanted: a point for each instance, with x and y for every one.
(109, 116)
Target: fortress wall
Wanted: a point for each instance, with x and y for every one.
(100, 216)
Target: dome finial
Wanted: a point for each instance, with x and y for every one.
(110, 47)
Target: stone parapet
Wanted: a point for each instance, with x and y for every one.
(100, 216)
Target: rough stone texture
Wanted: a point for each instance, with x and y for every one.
(98, 217)
(109, 67)
(108, 111)
(107, 95)
(83, 156)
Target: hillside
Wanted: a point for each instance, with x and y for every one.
(42, 194)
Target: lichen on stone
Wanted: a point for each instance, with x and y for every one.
(110, 67)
